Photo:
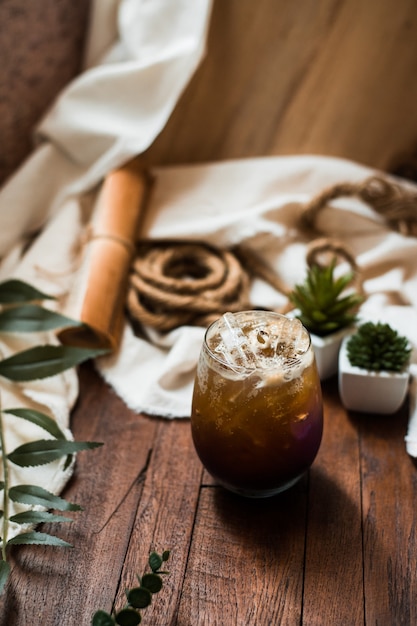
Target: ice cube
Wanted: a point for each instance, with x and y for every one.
(237, 350)
(292, 338)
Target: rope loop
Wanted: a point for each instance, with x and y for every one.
(174, 283)
(322, 251)
(397, 205)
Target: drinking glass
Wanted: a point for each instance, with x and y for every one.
(257, 412)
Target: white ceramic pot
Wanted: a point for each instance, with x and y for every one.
(326, 350)
(370, 392)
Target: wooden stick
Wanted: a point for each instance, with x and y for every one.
(99, 292)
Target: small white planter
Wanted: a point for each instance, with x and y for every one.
(370, 392)
(326, 350)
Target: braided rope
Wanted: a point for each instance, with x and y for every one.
(175, 283)
(395, 204)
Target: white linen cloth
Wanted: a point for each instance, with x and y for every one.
(140, 56)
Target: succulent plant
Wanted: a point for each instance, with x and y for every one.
(377, 347)
(322, 307)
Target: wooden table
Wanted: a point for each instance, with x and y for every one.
(340, 547)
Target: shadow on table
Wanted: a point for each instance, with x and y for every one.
(392, 426)
(315, 499)
(303, 538)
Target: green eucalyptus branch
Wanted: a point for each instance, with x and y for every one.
(22, 314)
(44, 361)
(16, 291)
(138, 597)
(34, 454)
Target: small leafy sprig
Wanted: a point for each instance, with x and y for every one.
(138, 597)
(377, 347)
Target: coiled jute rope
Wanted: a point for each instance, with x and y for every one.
(174, 283)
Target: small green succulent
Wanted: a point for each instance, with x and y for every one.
(323, 309)
(377, 347)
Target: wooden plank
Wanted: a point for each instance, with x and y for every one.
(165, 517)
(246, 560)
(356, 100)
(55, 586)
(389, 484)
(333, 586)
(298, 78)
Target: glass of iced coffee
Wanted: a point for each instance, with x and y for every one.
(257, 413)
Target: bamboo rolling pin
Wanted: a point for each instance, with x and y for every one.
(99, 292)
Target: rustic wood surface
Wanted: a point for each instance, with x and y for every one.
(331, 77)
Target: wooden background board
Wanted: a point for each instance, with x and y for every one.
(334, 77)
(329, 77)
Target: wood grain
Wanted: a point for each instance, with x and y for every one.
(246, 560)
(165, 516)
(334, 529)
(332, 78)
(389, 489)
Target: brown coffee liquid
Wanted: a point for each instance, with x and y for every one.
(253, 434)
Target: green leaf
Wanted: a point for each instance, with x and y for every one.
(4, 574)
(47, 450)
(139, 597)
(68, 461)
(341, 283)
(101, 618)
(344, 305)
(32, 494)
(153, 582)
(155, 561)
(322, 309)
(15, 290)
(38, 517)
(31, 318)
(318, 316)
(128, 617)
(165, 555)
(40, 419)
(1, 484)
(43, 361)
(38, 539)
